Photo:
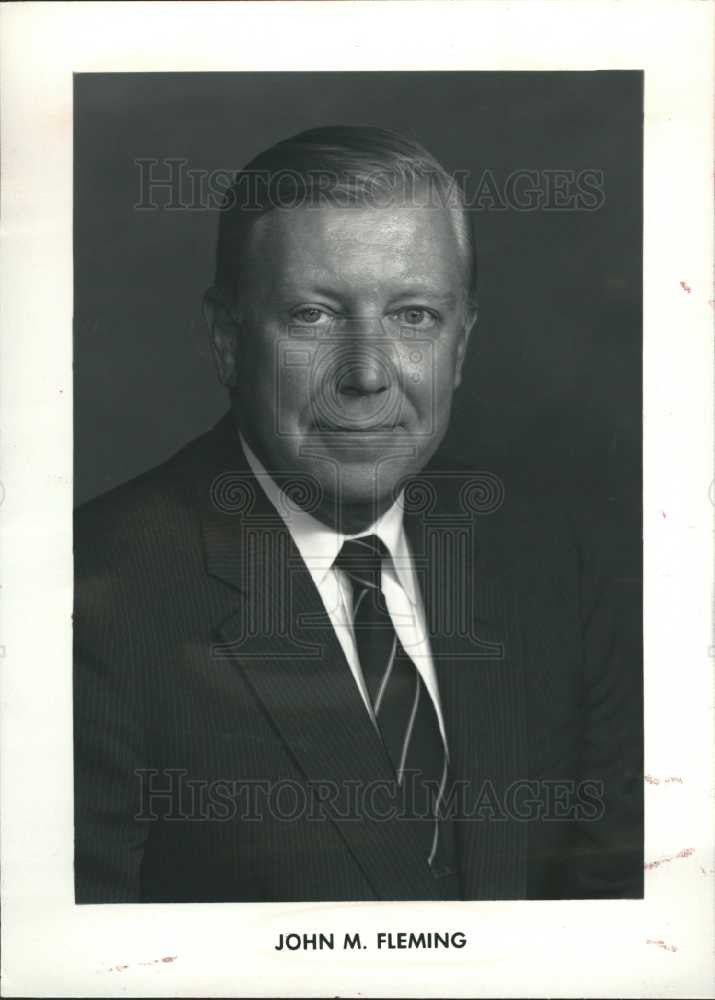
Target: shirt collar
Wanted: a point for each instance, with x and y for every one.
(319, 544)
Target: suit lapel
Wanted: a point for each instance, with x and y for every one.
(472, 613)
(280, 637)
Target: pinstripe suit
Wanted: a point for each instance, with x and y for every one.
(221, 745)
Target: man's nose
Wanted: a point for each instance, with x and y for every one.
(365, 365)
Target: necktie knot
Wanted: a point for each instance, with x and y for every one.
(361, 559)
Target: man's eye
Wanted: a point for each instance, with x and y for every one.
(416, 316)
(311, 315)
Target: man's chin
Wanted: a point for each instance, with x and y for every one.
(368, 454)
(359, 497)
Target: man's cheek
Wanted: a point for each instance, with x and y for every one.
(291, 388)
(437, 401)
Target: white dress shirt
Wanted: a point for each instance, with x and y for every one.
(319, 546)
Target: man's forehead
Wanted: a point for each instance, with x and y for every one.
(402, 239)
(403, 220)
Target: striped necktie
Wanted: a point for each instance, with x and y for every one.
(403, 707)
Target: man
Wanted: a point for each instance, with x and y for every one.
(306, 667)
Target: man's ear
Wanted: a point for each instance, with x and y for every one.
(223, 331)
(470, 321)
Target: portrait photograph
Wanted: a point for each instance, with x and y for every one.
(373, 632)
(360, 540)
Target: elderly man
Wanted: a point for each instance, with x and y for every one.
(308, 668)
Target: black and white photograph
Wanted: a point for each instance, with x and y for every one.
(369, 533)
(375, 632)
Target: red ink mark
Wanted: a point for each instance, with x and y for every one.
(685, 853)
(711, 303)
(686, 287)
(154, 961)
(663, 514)
(661, 944)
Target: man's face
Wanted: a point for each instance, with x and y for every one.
(346, 346)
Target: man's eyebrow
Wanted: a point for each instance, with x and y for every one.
(424, 291)
(399, 293)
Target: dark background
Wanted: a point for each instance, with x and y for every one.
(552, 389)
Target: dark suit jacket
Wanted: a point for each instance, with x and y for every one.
(219, 735)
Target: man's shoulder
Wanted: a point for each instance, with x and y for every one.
(519, 521)
(498, 503)
(156, 509)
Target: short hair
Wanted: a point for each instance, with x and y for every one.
(339, 165)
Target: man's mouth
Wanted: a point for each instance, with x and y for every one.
(356, 428)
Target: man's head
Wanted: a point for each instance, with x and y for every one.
(343, 300)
